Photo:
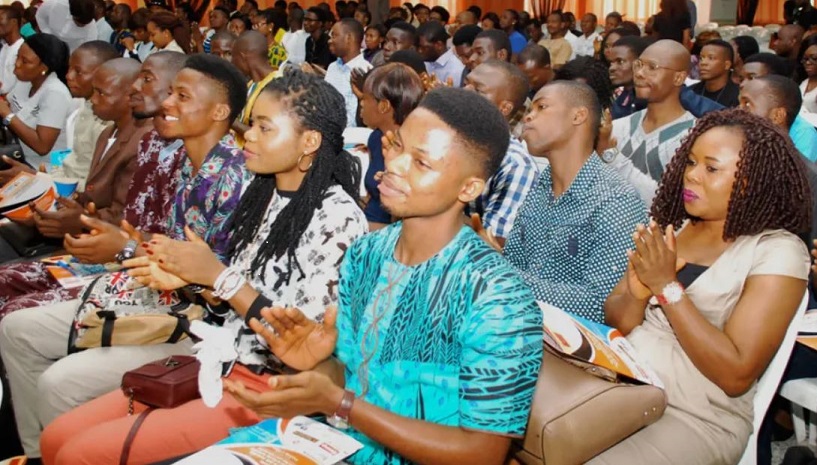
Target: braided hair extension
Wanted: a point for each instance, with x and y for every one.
(771, 190)
(319, 107)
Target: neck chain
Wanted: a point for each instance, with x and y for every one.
(718, 98)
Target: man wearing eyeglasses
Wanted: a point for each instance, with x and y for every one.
(641, 144)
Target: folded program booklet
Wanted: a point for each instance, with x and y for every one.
(16, 194)
(595, 343)
(70, 273)
(297, 441)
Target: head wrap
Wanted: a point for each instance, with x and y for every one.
(51, 51)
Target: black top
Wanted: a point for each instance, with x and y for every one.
(726, 96)
(672, 28)
(317, 53)
(805, 16)
(689, 273)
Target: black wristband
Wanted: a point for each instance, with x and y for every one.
(255, 309)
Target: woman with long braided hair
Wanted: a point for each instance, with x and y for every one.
(708, 308)
(293, 225)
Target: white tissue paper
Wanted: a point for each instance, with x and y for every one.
(217, 347)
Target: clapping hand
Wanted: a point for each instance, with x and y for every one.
(606, 140)
(654, 262)
(149, 274)
(192, 260)
(296, 340)
(431, 82)
(290, 395)
(56, 224)
(102, 244)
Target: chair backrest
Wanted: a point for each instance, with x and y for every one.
(768, 383)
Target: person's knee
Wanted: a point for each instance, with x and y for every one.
(84, 448)
(13, 329)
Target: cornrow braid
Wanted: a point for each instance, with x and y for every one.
(771, 190)
(319, 107)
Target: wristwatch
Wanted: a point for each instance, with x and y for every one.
(609, 155)
(8, 118)
(671, 294)
(340, 419)
(128, 252)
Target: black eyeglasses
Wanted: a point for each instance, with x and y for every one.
(811, 59)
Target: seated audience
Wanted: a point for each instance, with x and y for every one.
(295, 39)
(71, 21)
(413, 266)
(10, 22)
(168, 33)
(743, 47)
(463, 42)
(250, 57)
(401, 36)
(491, 44)
(586, 43)
(139, 45)
(373, 51)
(490, 21)
(120, 17)
(612, 21)
(347, 34)
(809, 85)
(610, 40)
(716, 62)
(575, 224)
(221, 45)
(293, 226)
(534, 61)
(317, 44)
(219, 18)
(504, 85)
(441, 61)
(45, 380)
(440, 14)
(390, 93)
(788, 45)
(762, 64)
(272, 23)
(647, 139)
(713, 327)
(559, 48)
(240, 24)
(39, 105)
(509, 22)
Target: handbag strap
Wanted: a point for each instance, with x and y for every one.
(123, 459)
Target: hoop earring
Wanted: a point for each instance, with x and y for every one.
(311, 160)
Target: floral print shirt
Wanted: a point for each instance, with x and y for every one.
(206, 202)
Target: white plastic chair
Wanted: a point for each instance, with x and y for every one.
(767, 385)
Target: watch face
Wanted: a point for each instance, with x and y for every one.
(609, 155)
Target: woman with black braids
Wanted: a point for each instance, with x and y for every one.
(708, 308)
(293, 226)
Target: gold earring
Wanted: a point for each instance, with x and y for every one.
(311, 160)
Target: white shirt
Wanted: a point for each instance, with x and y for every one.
(573, 41)
(295, 45)
(54, 17)
(447, 66)
(103, 30)
(810, 98)
(338, 75)
(8, 56)
(171, 47)
(49, 107)
(584, 45)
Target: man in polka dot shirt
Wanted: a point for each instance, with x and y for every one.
(570, 238)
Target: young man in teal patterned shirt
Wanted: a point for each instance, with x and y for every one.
(438, 342)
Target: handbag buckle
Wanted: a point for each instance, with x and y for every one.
(170, 362)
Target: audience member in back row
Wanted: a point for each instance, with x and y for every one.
(10, 21)
(534, 61)
(490, 44)
(390, 93)
(293, 226)
(717, 58)
(504, 85)
(347, 34)
(573, 229)
(737, 193)
(559, 48)
(809, 85)
(47, 381)
(441, 61)
(39, 104)
(801, 132)
(401, 36)
(646, 140)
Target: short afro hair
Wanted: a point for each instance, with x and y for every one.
(593, 72)
(432, 31)
(578, 95)
(101, 50)
(466, 35)
(539, 55)
(785, 93)
(487, 136)
(747, 46)
(410, 58)
(444, 14)
(515, 80)
(774, 63)
(636, 45)
(499, 39)
(227, 76)
(723, 45)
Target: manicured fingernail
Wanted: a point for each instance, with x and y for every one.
(148, 252)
